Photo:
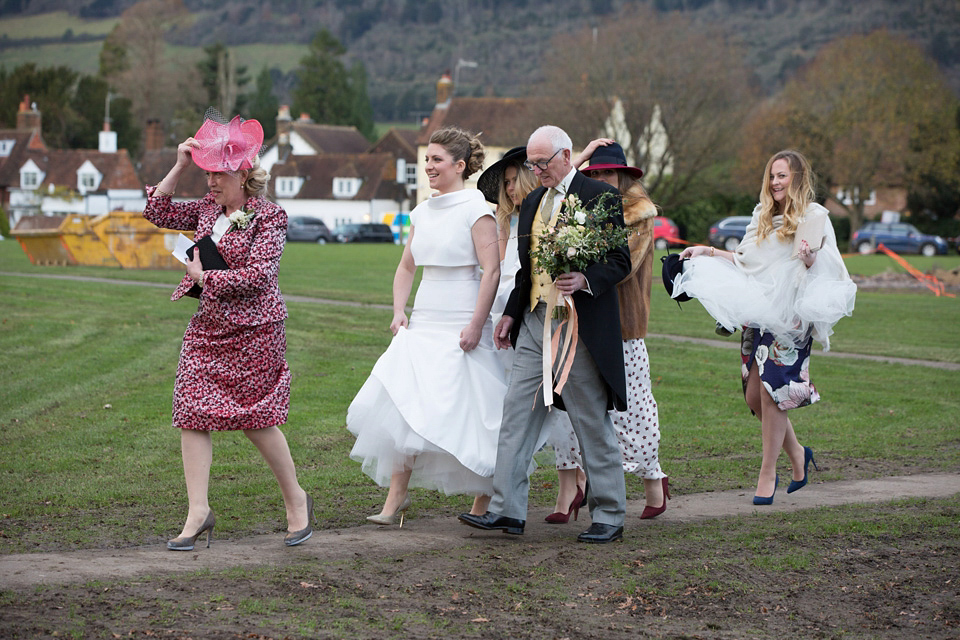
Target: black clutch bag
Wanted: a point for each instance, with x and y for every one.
(210, 259)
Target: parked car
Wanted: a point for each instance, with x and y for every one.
(306, 229)
(897, 236)
(728, 233)
(664, 231)
(366, 232)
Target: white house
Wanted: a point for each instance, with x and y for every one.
(340, 188)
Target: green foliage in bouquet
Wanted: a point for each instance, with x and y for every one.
(582, 236)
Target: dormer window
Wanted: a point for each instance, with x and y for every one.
(30, 175)
(288, 187)
(88, 178)
(6, 147)
(346, 187)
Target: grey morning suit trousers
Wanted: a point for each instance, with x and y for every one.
(585, 399)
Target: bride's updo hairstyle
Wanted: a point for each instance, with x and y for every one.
(461, 145)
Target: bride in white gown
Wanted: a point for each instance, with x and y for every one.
(429, 414)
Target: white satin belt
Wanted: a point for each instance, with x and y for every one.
(469, 272)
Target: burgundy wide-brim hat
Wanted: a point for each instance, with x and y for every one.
(611, 157)
(227, 147)
(490, 180)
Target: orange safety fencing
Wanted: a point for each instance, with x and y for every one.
(929, 281)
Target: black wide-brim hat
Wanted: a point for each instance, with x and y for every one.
(672, 267)
(490, 180)
(611, 156)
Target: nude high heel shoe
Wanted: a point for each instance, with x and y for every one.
(392, 518)
(186, 543)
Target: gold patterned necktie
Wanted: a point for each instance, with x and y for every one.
(546, 211)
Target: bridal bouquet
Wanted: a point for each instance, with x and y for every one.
(581, 236)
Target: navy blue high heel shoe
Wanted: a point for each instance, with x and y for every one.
(768, 500)
(807, 459)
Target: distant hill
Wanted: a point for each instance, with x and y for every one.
(406, 44)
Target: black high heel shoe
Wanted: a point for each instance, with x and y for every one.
(186, 543)
(768, 500)
(294, 538)
(807, 459)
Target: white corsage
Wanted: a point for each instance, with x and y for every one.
(240, 219)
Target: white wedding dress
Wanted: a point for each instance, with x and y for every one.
(427, 401)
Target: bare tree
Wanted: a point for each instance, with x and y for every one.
(869, 111)
(680, 93)
(139, 67)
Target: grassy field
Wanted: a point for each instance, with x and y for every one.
(86, 441)
(89, 372)
(53, 25)
(84, 56)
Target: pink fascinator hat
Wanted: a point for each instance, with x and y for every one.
(227, 146)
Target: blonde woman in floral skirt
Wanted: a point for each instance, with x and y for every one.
(783, 294)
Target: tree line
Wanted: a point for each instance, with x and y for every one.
(141, 83)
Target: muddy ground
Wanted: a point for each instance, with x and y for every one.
(835, 560)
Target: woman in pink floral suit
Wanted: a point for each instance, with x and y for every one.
(232, 372)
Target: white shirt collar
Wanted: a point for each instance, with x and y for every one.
(564, 186)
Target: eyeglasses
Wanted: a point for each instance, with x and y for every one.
(543, 164)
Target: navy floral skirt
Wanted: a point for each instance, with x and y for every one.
(784, 369)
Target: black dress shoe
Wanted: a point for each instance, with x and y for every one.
(599, 533)
(491, 521)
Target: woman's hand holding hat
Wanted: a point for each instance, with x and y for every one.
(184, 151)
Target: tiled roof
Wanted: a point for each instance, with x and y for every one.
(328, 138)
(60, 167)
(402, 143)
(378, 171)
(22, 143)
(154, 165)
(503, 122)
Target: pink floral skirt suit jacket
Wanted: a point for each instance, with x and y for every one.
(232, 373)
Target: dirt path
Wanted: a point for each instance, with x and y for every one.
(24, 571)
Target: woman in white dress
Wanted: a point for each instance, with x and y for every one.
(429, 414)
(783, 297)
(505, 184)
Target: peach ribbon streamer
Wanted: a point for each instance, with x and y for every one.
(563, 357)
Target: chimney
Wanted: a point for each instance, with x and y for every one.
(444, 89)
(108, 139)
(154, 135)
(28, 118)
(283, 119)
(284, 125)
